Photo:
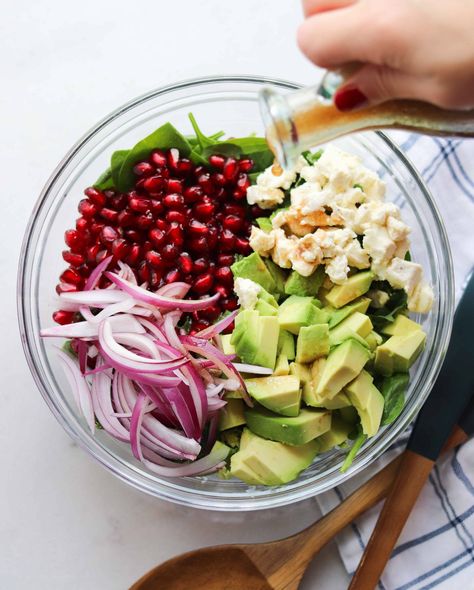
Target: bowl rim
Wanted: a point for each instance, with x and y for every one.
(127, 473)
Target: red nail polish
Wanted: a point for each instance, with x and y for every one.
(349, 98)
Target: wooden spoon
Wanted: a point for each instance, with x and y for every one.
(278, 565)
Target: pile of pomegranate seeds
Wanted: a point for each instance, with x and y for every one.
(180, 222)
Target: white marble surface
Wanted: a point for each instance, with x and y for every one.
(64, 521)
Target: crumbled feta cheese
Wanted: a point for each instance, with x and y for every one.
(378, 244)
(402, 249)
(309, 197)
(262, 242)
(356, 255)
(337, 269)
(283, 248)
(421, 300)
(247, 291)
(397, 230)
(403, 274)
(372, 185)
(276, 177)
(280, 219)
(265, 197)
(378, 297)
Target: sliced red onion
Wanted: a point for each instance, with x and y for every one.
(255, 369)
(212, 462)
(136, 422)
(98, 298)
(95, 275)
(127, 272)
(101, 390)
(171, 335)
(80, 388)
(110, 310)
(120, 323)
(159, 300)
(215, 404)
(220, 326)
(214, 390)
(82, 348)
(177, 289)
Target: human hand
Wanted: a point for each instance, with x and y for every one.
(415, 49)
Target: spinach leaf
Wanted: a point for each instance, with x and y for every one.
(255, 148)
(116, 162)
(356, 445)
(312, 157)
(202, 140)
(165, 137)
(408, 256)
(387, 314)
(393, 390)
(105, 182)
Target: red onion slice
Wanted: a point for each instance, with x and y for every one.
(120, 323)
(220, 326)
(95, 275)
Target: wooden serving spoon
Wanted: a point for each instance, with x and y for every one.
(277, 565)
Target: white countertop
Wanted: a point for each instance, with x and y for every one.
(64, 521)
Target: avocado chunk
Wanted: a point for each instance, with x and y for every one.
(343, 365)
(311, 398)
(265, 462)
(278, 275)
(353, 287)
(398, 353)
(264, 224)
(304, 375)
(282, 366)
(357, 325)
(245, 320)
(253, 267)
(368, 401)
(312, 343)
(336, 316)
(296, 312)
(296, 430)
(373, 340)
(401, 326)
(257, 338)
(265, 308)
(286, 344)
(232, 414)
(227, 347)
(337, 435)
(282, 393)
(304, 286)
(268, 298)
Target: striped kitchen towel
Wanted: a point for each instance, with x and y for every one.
(436, 548)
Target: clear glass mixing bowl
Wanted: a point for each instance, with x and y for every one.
(231, 104)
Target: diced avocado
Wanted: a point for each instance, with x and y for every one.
(353, 287)
(343, 365)
(357, 325)
(232, 414)
(338, 434)
(253, 267)
(282, 366)
(304, 286)
(398, 353)
(227, 347)
(286, 344)
(338, 402)
(297, 430)
(264, 224)
(246, 319)
(311, 398)
(373, 340)
(265, 308)
(267, 462)
(231, 437)
(368, 401)
(282, 394)
(336, 316)
(298, 311)
(278, 276)
(349, 415)
(269, 331)
(268, 298)
(401, 326)
(304, 375)
(258, 339)
(312, 343)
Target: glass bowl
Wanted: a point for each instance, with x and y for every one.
(231, 104)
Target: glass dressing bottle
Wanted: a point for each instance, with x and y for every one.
(308, 117)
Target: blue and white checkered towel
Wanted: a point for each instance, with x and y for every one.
(436, 548)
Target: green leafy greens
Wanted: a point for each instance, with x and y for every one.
(393, 390)
(396, 304)
(356, 445)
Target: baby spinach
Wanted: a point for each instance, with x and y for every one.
(386, 315)
(356, 445)
(105, 182)
(116, 162)
(393, 390)
(312, 157)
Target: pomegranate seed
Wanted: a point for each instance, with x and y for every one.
(199, 170)
(233, 223)
(245, 165)
(161, 224)
(225, 259)
(172, 157)
(133, 235)
(217, 161)
(234, 209)
(118, 202)
(242, 246)
(220, 194)
(205, 182)
(74, 240)
(174, 186)
(120, 248)
(125, 218)
(72, 258)
(158, 158)
(154, 185)
(134, 256)
(174, 201)
(63, 317)
(227, 241)
(185, 166)
(199, 246)
(147, 246)
(175, 234)
(154, 259)
(192, 194)
(212, 237)
(204, 211)
(157, 237)
(199, 325)
(177, 216)
(170, 252)
(139, 204)
(143, 169)
(223, 291)
(218, 179)
(84, 270)
(224, 275)
(108, 234)
(185, 263)
(230, 304)
(200, 265)
(91, 252)
(71, 276)
(65, 288)
(155, 278)
(242, 185)
(87, 209)
(230, 169)
(109, 215)
(144, 272)
(95, 196)
(82, 224)
(203, 283)
(211, 313)
(156, 207)
(173, 276)
(257, 212)
(197, 229)
(145, 221)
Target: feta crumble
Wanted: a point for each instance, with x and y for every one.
(247, 291)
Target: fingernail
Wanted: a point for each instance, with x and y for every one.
(349, 98)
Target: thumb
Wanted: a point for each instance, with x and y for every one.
(372, 85)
